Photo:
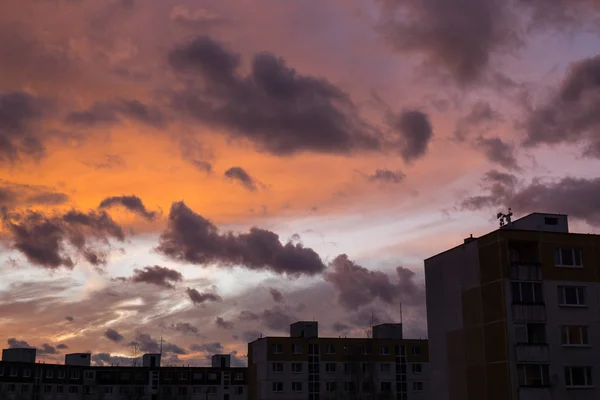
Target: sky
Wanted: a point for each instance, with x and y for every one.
(210, 171)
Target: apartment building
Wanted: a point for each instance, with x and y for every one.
(515, 314)
(23, 379)
(308, 367)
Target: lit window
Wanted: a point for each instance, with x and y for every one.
(568, 257)
(296, 386)
(571, 296)
(278, 386)
(533, 375)
(578, 377)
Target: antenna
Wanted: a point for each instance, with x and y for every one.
(505, 219)
(161, 342)
(401, 318)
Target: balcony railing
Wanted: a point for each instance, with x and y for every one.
(529, 312)
(525, 271)
(527, 352)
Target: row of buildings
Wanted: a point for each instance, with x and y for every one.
(512, 315)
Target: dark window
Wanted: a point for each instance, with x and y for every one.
(574, 335)
(386, 386)
(296, 386)
(530, 333)
(416, 350)
(527, 293)
(417, 386)
(277, 348)
(277, 367)
(182, 391)
(533, 375)
(330, 367)
(417, 368)
(366, 387)
(296, 367)
(330, 386)
(567, 257)
(47, 389)
(239, 390)
(278, 386)
(24, 388)
(75, 389)
(571, 295)
(60, 389)
(578, 376)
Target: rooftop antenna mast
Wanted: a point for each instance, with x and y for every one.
(505, 219)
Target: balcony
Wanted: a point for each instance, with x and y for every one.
(532, 352)
(525, 271)
(529, 312)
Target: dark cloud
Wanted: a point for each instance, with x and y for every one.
(69, 318)
(14, 343)
(110, 161)
(201, 165)
(20, 114)
(47, 349)
(415, 133)
(367, 317)
(45, 240)
(113, 335)
(110, 113)
(277, 319)
(278, 109)
(185, 328)
(339, 327)
(386, 176)
(221, 323)
(156, 275)
(191, 238)
(250, 336)
(498, 151)
(211, 348)
(240, 175)
(357, 286)
(200, 298)
(577, 197)
(237, 361)
(572, 115)
(147, 344)
(62, 346)
(132, 203)
(478, 121)
(20, 195)
(248, 316)
(277, 295)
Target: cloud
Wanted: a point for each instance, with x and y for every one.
(113, 335)
(147, 344)
(479, 120)
(132, 203)
(110, 113)
(156, 275)
(185, 328)
(211, 348)
(69, 318)
(199, 18)
(339, 327)
(240, 175)
(277, 319)
(14, 343)
(357, 286)
(47, 349)
(250, 336)
(14, 195)
(277, 295)
(20, 135)
(498, 151)
(248, 316)
(46, 241)
(386, 176)
(191, 238)
(221, 323)
(200, 298)
(415, 133)
(572, 114)
(577, 197)
(62, 346)
(105, 359)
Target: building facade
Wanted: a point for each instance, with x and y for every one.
(515, 314)
(308, 367)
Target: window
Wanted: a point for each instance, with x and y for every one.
(330, 386)
(385, 350)
(386, 386)
(26, 373)
(182, 390)
(24, 388)
(277, 348)
(530, 333)
(277, 367)
(348, 386)
(347, 368)
(568, 257)
(330, 349)
(89, 390)
(578, 376)
(125, 375)
(13, 388)
(73, 389)
(574, 335)
(239, 376)
(183, 376)
(197, 389)
(212, 376)
(60, 389)
(330, 367)
(296, 368)
(550, 220)
(166, 389)
(367, 349)
(139, 376)
(278, 386)
(527, 293)
(416, 350)
(212, 390)
(168, 376)
(296, 386)
(197, 375)
(571, 296)
(366, 386)
(313, 348)
(347, 349)
(107, 390)
(417, 368)
(297, 348)
(365, 367)
(49, 373)
(534, 375)
(47, 389)
(61, 374)
(239, 390)
(1, 371)
(385, 367)
(417, 386)
(88, 374)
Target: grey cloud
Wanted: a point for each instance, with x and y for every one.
(340, 327)
(110, 113)
(415, 133)
(47, 349)
(248, 316)
(211, 348)
(156, 275)
(20, 195)
(240, 175)
(147, 344)
(14, 343)
(277, 319)
(113, 335)
(69, 318)
(386, 176)
(277, 295)
(479, 120)
(191, 238)
(250, 336)
(184, 327)
(499, 152)
(62, 346)
(573, 114)
(43, 240)
(499, 187)
(221, 323)
(200, 298)
(132, 203)
(357, 286)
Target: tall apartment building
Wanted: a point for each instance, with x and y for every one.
(308, 367)
(23, 379)
(515, 314)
